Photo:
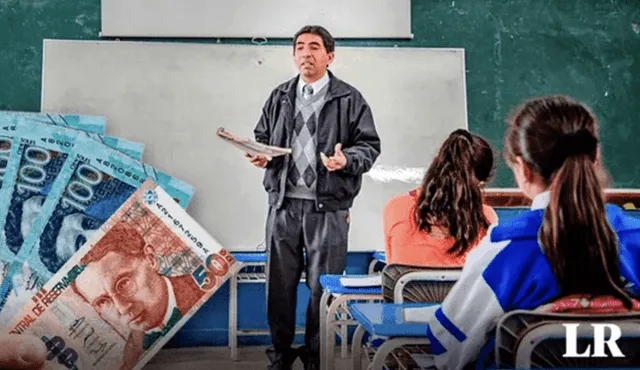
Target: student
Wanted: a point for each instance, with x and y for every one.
(437, 224)
(570, 242)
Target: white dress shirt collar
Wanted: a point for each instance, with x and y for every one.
(317, 86)
(541, 201)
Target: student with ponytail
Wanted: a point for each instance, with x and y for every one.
(437, 224)
(570, 242)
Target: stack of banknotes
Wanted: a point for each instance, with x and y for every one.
(98, 256)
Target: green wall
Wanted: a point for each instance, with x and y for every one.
(514, 49)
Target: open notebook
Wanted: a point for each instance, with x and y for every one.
(361, 282)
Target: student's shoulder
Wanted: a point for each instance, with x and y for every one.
(402, 198)
(626, 224)
(397, 209)
(515, 238)
(490, 214)
(399, 202)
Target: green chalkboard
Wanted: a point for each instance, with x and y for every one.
(514, 49)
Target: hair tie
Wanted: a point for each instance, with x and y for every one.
(580, 142)
(466, 134)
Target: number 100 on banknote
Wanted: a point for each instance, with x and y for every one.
(129, 288)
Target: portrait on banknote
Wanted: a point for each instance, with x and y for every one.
(121, 274)
(91, 186)
(142, 274)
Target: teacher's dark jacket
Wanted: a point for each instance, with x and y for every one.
(345, 118)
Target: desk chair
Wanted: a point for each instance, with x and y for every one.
(403, 283)
(378, 258)
(537, 339)
(402, 286)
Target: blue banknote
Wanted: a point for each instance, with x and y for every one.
(92, 185)
(94, 124)
(8, 120)
(8, 123)
(5, 150)
(39, 152)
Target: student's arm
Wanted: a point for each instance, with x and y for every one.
(396, 223)
(498, 277)
(388, 223)
(462, 324)
(490, 214)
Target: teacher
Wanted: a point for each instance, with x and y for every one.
(329, 127)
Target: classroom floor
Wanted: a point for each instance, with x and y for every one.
(250, 358)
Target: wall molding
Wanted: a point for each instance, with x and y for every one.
(507, 198)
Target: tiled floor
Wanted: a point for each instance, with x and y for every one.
(218, 358)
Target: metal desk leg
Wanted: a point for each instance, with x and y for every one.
(388, 346)
(324, 337)
(332, 311)
(356, 347)
(372, 266)
(344, 340)
(330, 329)
(233, 316)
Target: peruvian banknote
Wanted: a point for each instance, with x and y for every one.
(91, 186)
(9, 119)
(38, 154)
(94, 124)
(9, 122)
(112, 306)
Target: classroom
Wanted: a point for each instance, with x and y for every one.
(157, 80)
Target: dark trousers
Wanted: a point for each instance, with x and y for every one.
(294, 229)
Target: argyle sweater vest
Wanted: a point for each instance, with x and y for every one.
(302, 175)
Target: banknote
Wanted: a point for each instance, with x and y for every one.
(39, 152)
(249, 146)
(112, 305)
(90, 188)
(9, 122)
(9, 119)
(94, 124)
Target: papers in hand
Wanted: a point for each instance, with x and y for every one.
(250, 146)
(361, 282)
(419, 314)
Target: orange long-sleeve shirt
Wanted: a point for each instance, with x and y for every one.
(405, 244)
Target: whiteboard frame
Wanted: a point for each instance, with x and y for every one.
(345, 19)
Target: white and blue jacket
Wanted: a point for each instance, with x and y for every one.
(508, 271)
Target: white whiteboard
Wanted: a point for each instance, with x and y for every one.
(251, 18)
(173, 96)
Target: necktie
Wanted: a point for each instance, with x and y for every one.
(307, 90)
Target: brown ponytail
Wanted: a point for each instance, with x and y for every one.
(451, 196)
(556, 137)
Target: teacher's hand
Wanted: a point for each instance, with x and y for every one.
(337, 161)
(257, 160)
(19, 352)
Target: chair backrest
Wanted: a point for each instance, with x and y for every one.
(403, 284)
(537, 339)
